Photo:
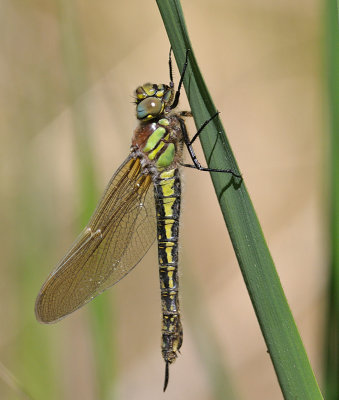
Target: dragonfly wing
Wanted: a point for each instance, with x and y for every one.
(119, 233)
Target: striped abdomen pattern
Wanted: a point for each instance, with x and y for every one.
(167, 191)
(159, 144)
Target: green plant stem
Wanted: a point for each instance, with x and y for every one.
(283, 341)
(331, 346)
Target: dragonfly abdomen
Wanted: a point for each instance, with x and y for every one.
(167, 192)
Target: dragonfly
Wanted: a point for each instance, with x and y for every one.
(141, 203)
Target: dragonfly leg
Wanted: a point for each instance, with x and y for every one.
(203, 126)
(185, 114)
(177, 93)
(196, 164)
(170, 68)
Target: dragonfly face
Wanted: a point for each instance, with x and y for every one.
(152, 100)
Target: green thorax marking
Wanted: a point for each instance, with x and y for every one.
(164, 121)
(157, 146)
(154, 139)
(167, 157)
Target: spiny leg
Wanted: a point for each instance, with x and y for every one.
(185, 114)
(188, 143)
(170, 68)
(203, 127)
(177, 93)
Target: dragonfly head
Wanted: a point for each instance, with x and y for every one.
(152, 100)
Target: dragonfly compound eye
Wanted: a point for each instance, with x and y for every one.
(149, 108)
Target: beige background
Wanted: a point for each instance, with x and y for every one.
(262, 63)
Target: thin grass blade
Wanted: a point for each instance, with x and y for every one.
(282, 338)
(331, 345)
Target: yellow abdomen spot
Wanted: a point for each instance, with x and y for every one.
(168, 187)
(169, 254)
(167, 174)
(168, 206)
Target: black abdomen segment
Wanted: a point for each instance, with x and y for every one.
(167, 191)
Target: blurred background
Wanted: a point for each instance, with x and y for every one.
(67, 71)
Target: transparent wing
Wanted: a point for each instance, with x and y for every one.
(118, 235)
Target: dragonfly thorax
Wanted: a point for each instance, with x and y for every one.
(152, 100)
